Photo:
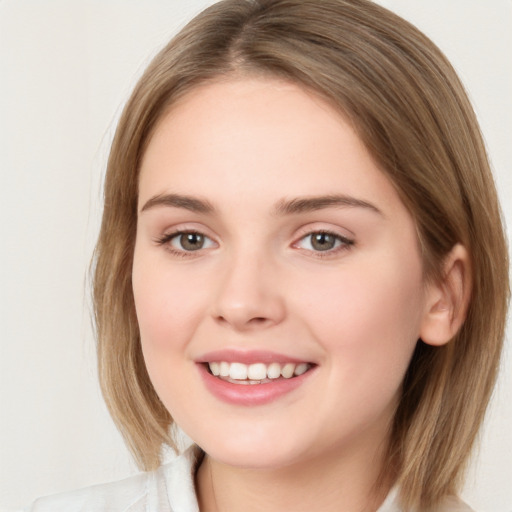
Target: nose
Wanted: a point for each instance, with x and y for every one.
(249, 296)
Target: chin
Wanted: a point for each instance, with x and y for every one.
(253, 454)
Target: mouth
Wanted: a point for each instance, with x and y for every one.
(253, 377)
(256, 373)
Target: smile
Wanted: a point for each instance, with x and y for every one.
(253, 378)
(256, 373)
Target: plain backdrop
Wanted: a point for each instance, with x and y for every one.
(66, 67)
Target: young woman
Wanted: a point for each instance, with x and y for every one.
(301, 264)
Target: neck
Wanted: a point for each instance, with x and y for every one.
(342, 481)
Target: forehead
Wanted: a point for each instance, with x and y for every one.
(256, 139)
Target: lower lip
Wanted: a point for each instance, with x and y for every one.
(250, 394)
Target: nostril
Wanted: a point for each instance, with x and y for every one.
(258, 321)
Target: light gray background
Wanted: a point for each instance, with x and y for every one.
(65, 69)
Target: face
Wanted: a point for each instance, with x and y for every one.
(277, 277)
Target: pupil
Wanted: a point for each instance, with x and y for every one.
(323, 241)
(192, 241)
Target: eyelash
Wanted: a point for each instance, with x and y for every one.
(345, 243)
(167, 238)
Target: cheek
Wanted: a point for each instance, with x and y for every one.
(169, 308)
(168, 305)
(367, 317)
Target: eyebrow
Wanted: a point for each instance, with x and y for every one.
(309, 204)
(282, 208)
(179, 201)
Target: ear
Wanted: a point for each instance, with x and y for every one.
(447, 300)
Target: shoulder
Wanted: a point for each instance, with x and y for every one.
(448, 504)
(454, 504)
(171, 487)
(130, 494)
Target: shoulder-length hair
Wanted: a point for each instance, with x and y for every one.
(409, 108)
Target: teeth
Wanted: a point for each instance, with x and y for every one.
(224, 369)
(238, 371)
(301, 368)
(274, 371)
(257, 372)
(287, 370)
(215, 368)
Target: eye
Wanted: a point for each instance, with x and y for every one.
(186, 241)
(323, 241)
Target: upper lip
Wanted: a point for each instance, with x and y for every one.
(248, 357)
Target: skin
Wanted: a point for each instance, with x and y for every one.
(246, 146)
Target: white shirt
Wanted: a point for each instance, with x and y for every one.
(168, 489)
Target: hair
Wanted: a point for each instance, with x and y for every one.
(409, 108)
